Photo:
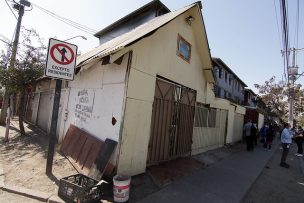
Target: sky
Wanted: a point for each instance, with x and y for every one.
(245, 34)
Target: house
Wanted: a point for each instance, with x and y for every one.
(39, 104)
(136, 18)
(228, 84)
(150, 89)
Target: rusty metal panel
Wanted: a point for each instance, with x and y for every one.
(172, 122)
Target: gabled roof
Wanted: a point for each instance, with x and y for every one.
(128, 38)
(151, 4)
(221, 63)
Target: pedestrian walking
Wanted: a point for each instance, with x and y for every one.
(269, 137)
(286, 139)
(263, 134)
(254, 135)
(248, 135)
(299, 141)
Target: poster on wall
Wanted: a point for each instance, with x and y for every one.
(84, 105)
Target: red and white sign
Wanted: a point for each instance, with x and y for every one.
(61, 60)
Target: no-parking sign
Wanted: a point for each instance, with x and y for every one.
(61, 59)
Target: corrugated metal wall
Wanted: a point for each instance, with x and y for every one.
(209, 129)
(238, 127)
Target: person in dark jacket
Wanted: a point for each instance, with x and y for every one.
(269, 137)
(299, 140)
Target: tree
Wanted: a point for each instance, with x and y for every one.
(275, 95)
(28, 67)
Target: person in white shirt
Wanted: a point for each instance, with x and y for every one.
(286, 140)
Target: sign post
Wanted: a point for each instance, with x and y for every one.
(60, 64)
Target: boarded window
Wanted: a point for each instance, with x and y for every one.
(205, 117)
(201, 114)
(212, 118)
(183, 48)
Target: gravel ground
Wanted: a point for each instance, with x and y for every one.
(24, 160)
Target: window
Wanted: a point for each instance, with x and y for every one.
(212, 118)
(219, 91)
(226, 76)
(183, 48)
(230, 81)
(201, 116)
(220, 72)
(205, 117)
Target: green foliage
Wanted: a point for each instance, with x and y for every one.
(28, 66)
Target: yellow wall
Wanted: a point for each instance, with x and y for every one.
(152, 56)
(235, 123)
(210, 138)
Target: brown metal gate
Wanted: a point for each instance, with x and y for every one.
(172, 122)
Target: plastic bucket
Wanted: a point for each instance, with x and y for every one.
(121, 188)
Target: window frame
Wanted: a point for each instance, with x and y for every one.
(179, 52)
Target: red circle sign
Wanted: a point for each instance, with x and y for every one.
(62, 59)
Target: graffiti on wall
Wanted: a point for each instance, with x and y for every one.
(84, 104)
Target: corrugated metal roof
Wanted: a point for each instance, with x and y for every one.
(124, 40)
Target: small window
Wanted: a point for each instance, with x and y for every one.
(220, 72)
(183, 48)
(226, 76)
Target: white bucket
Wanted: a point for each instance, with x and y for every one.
(121, 188)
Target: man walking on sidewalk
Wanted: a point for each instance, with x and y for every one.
(286, 136)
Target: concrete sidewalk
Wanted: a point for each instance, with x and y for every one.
(225, 181)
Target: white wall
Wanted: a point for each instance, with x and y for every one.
(95, 96)
(260, 121)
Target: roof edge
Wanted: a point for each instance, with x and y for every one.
(130, 15)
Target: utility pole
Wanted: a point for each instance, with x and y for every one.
(292, 71)
(5, 110)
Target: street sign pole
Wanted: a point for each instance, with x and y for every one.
(52, 135)
(60, 64)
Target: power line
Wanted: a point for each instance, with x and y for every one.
(284, 16)
(296, 37)
(11, 9)
(276, 13)
(67, 21)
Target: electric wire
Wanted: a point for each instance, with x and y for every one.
(278, 27)
(11, 9)
(296, 36)
(285, 34)
(67, 21)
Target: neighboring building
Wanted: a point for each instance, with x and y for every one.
(228, 85)
(150, 90)
(39, 104)
(255, 108)
(129, 22)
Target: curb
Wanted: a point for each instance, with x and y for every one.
(1, 176)
(42, 196)
(55, 199)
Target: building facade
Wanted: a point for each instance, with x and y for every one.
(228, 85)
